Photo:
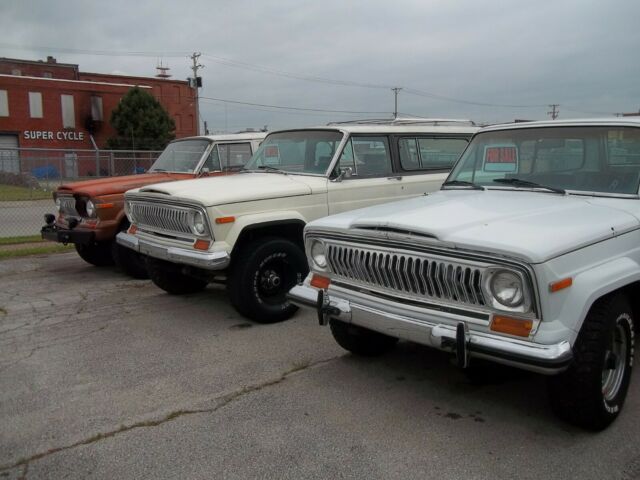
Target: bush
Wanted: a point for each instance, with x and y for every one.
(19, 180)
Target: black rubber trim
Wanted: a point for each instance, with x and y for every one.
(553, 364)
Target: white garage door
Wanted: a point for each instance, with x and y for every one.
(9, 158)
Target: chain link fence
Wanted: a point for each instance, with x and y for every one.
(29, 176)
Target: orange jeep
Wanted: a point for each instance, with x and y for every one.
(91, 212)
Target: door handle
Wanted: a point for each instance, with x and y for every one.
(399, 177)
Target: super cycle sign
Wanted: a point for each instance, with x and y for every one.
(48, 135)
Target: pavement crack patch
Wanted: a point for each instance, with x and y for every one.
(221, 401)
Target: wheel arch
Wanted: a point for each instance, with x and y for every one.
(291, 229)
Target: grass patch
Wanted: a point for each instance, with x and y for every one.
(18, 240)
(13, 193)
(37, 250)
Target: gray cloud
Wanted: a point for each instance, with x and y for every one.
(579, 53)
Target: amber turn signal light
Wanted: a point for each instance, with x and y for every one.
(560, 284)
(104, 205)
(319, 281)
(221, 220)
(132, 230)
(201, 244)
(512, 326)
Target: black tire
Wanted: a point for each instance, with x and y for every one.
(129, 261)
(98, 254)
(361, 341)
(261, 275)
(169, 278)
(591, 393)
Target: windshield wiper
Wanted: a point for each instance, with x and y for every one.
(518, 182)
(462, 183)
(158, 170)
(269, 168)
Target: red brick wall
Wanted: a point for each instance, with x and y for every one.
(175, 96)
(39, 68)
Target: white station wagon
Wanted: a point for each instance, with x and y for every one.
(529, 256)
(247, 228)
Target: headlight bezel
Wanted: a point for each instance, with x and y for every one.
(58, 203)
(197, 214)
(492, 274)
(310, 244)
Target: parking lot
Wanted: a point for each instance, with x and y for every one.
(106, 377)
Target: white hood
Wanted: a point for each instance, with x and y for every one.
(242, 187)
(531, 226)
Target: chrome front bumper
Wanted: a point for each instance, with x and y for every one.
(430, 328)
(205, 260)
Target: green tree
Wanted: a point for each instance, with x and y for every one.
(141, 123)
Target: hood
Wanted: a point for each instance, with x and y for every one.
(115, 185)
(533, 227)
(243, 187)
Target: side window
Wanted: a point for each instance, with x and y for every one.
(322, 156)
(346, 159)
(440, 152)
(371, 156)
(234, 155)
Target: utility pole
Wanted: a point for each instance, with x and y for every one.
(197, 83)
(554, 111)
(395, 95)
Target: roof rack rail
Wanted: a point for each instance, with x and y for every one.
(405, 121)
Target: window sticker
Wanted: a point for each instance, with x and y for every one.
(271, 155)
(500, 158)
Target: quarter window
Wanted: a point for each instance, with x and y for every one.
(35, 104)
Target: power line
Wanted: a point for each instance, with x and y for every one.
(292, 108)
(422, 93)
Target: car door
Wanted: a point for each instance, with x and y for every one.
(371, 179)
(424, 162)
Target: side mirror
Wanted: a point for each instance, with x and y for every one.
(345, 172)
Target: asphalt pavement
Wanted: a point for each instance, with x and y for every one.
(102, 376)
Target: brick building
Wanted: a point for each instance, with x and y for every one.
(45, 104)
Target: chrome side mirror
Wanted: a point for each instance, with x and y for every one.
(345, 172)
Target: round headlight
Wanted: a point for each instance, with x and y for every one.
(317, 254)
(58, 204)
(90, 208)
(506, 287)
(198, 223)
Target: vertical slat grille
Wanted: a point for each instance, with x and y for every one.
(417, 275)
(161, 217)
(68, 205)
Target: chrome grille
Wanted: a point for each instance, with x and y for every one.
(68, 205)
(420, 275)
(161, 217)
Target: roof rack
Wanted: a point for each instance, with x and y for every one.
(405, 121)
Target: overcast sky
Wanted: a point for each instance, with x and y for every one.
(520, 55)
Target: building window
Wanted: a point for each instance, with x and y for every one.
(35, 104)
(96, 108)
(16, 71)
(68, 111)
(4, 104)
(47, 75)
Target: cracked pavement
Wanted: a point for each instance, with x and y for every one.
(102, 376)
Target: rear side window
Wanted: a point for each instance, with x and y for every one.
(430, 153)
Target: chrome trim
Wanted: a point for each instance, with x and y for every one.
(205, 260)
(435, 329)
(68, 205)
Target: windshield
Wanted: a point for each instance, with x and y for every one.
(581, 159)
(181, 156)
(302, 151)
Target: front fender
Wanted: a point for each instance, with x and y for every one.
(255, 220)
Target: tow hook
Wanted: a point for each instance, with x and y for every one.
(462, 354)
(323, 308)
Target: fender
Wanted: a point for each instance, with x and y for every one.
(593, 284)
(256, 220)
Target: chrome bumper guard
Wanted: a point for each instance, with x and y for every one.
(545, 359)
(205, 260)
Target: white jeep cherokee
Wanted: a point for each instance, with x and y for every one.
(247, 227)
(529, 256)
